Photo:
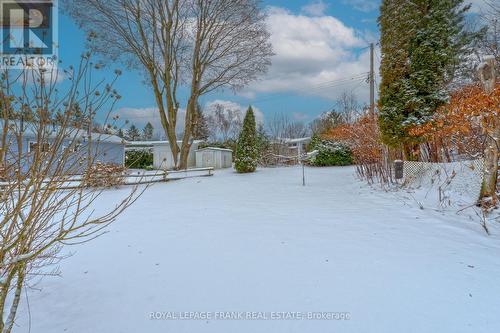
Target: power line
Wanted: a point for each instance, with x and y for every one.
(359, 79)
(323, 86)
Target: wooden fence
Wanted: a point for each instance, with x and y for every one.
(127, 178)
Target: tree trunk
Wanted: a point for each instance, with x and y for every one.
(410, 151)
(9, 323)
(188, 129)
(174, 147)
(491, 164)
(487, 74)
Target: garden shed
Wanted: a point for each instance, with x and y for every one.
(217, 158)
(164, 159)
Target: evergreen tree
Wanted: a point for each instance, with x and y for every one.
(201, 129)
(147, 132)
(422, 42)
(263, 144)
(120, 133)
(133, 133)
(246, 150)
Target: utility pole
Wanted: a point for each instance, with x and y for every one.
(372, 80)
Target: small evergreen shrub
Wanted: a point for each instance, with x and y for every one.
(331, 153)
(139, 159)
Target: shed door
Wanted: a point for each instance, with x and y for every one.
(208, 159)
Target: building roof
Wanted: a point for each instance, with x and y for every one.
(30, 131)
(154, 143)
(215, 149)
(289, 140)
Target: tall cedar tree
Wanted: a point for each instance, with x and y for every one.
(246, 151)
(422, 44)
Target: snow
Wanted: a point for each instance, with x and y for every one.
(263, 243)
(214, 148)
(19, 258)
(453, 185)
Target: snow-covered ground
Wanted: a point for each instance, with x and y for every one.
(263, 243)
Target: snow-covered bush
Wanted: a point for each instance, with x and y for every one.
(139, 159)
(331, 153)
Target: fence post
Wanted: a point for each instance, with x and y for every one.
(399, 169)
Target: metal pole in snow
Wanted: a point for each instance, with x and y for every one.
(303, 174)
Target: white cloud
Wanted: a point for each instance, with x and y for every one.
(299, 116)
(310, 53)
(363, 5)
(50, 77)
(233, 106)
(315, 8)
(141, 116)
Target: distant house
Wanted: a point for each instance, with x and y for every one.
(217, 158)
(104, 148)
(290, 147)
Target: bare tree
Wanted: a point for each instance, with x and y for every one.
(197, 44)
(326, 121)
(490, 43)
(225, 122)
(42, 207)
(347, 110)
(282, 127)
(348, 107)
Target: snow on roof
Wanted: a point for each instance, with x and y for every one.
(154, 143)
(215, 148)
(30, 131)
(289, 140)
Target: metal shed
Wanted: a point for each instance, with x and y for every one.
(217, 158)
(163, 157)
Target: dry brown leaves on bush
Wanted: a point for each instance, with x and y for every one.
(104, 175)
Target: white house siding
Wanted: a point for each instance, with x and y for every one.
(107, 149)
(214, 157)
(163, 157)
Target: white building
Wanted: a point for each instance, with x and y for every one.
(217, 158)
(291, 147)
(162, 153)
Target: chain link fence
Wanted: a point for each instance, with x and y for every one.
(458, 179)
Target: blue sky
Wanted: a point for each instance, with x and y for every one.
(319, 46)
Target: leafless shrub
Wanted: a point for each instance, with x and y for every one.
(37, 216)
(104, 175)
